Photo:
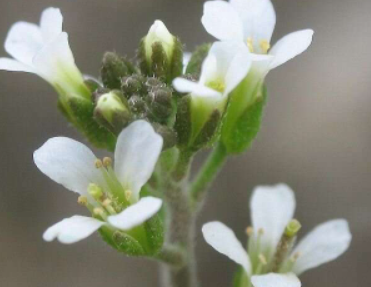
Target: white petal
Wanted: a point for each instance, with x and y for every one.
(223, 240)
(290, 46)
(136, 214)
(73, 229)
(69, 163)
(272, 207)
(23, 41)
(56, 64)
(137, 150)
(222, 21)
(238, 68)
(276, 280)
(186, 86)
(258, 17)
(11, 65)
(51, 23)
(325, 243)
(186, 58)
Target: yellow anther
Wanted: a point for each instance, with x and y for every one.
(262, 259)
(128, 194)
(107, 161)
(107, 202)
(250, 44)
(265, 46)
(98, 163)
(249, 231)
(82, 200)
(98, 211)
(260, 231)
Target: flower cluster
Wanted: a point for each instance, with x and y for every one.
(155, 112)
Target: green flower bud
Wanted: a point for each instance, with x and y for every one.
(112, 112)
(138, 106)
(160, 103)
(161, 53)
(132, 85)
(114, 68)
(169, 135)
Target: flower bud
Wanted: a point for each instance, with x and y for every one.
(111, 112)
(132, 85)
(160, 104)
(138, 106)
(114, 68)
(161, 53)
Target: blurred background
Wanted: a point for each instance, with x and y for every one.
(316, 137)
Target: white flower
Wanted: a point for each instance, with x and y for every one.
(225, 66)
(111, 194)
(252, 22)
(44, 50)
(272, 208)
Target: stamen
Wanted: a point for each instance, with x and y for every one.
(98, 163)
(265, 46)
(128, 194)
(106, 202)
(250, 44)
(82, 200)
(107, 161)
(249, 231)
(99, 211)
(263, 259)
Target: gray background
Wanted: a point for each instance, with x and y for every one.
(316, 137)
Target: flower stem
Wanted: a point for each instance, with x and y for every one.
(207, 174)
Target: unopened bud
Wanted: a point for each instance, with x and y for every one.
(137, 105)
(114, 68)
(160, 103)
(169, 135)
(132, 85)
(292, 228)
(111, 112)
(161, 53)
(154, 83)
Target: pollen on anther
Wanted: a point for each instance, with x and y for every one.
(98, 211)
(82, 200)
(98, 163)
(107, 161)
(107, 202)
(249, 231)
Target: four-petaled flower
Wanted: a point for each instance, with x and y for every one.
(252, 22)
(111, 194)
(44, 50)
(271, 259)
(225, 66)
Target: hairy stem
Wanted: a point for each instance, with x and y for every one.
(181, 229)
(207, 174)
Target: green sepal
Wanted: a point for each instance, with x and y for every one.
(114, 68)
(240, 278)
(208, 133)
(159, 61)
(154, 228)
(183, 123)
(240, 127)
(176, 63)
(195, 64)
(122, 242)
(80, 113)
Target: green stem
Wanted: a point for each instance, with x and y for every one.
(207, 174)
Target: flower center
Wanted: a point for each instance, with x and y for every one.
(107, 198)
(217, 85)
(263, 46)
